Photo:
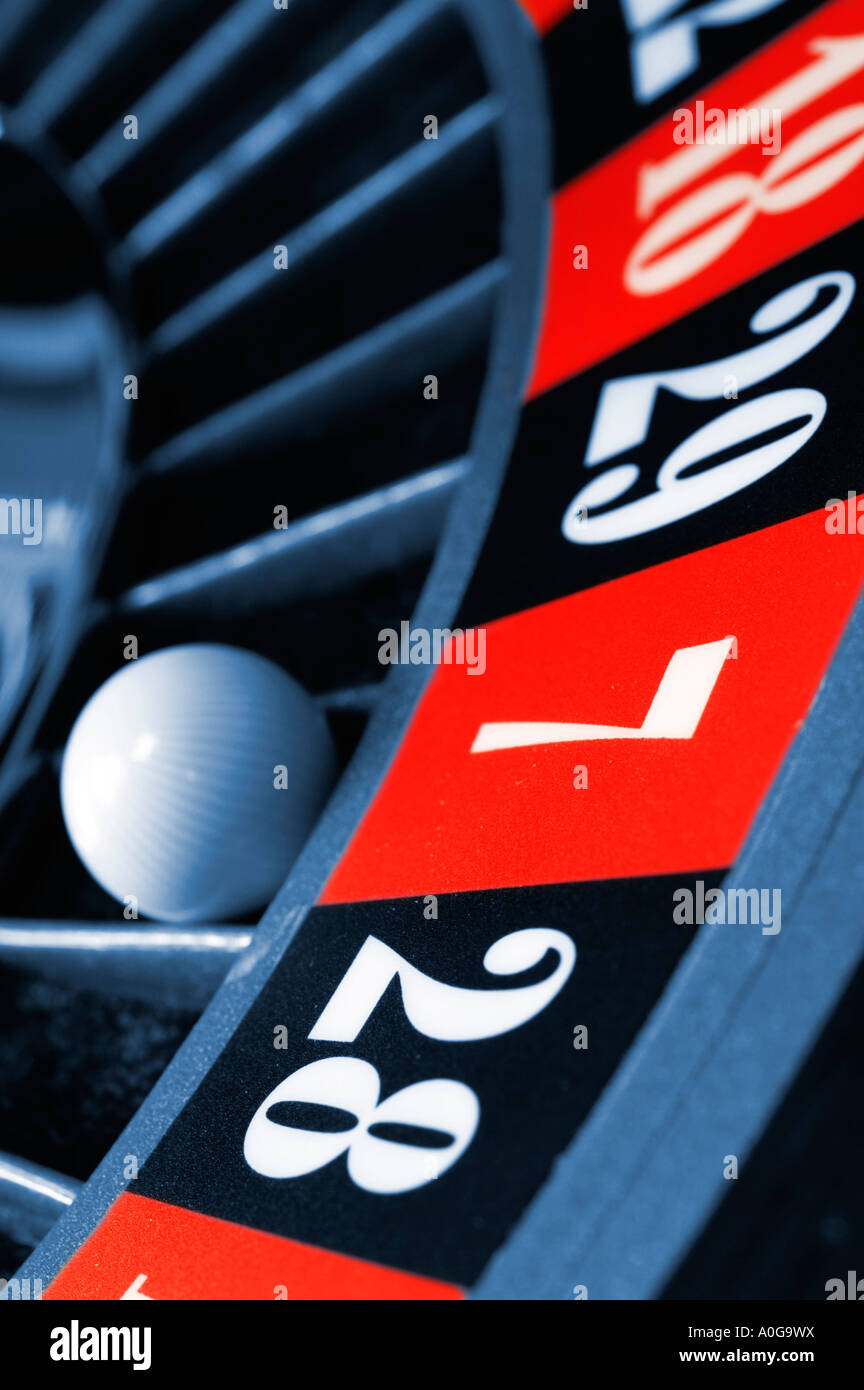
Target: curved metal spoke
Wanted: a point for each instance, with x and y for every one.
(180, 967)
(463, 308)
(337, 220)
(32, 1198)
(328, 551)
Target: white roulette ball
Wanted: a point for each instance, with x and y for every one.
(191, 779)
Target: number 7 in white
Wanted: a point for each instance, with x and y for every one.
(675, 711)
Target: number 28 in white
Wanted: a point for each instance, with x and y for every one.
(446, 1013)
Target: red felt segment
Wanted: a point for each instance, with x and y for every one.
(547, 13)
(183, 1256)
(693, 220)
(448, 819)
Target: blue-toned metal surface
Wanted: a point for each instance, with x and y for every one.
(718, 1053)
(180, 967)
(31, 1198)
(64, 423)
(615, 1216)
(513, 69)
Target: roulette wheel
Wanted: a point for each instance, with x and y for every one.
(448, 335)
